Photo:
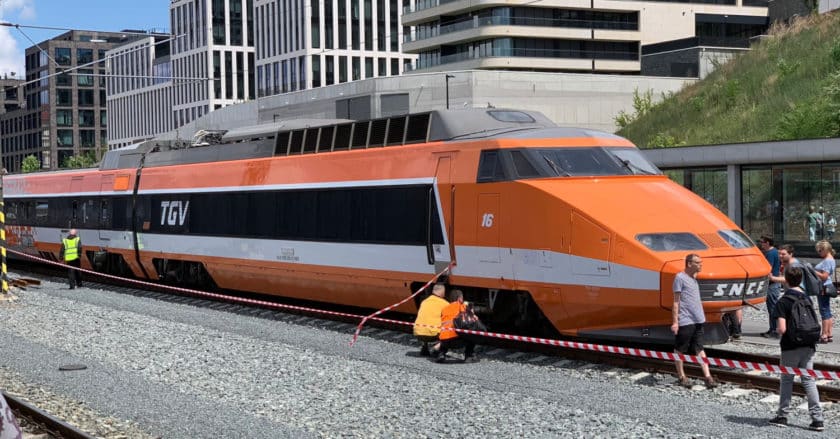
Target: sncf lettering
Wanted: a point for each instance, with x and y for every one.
(736, 289)
(173, 213)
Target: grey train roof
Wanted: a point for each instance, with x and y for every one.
(309, 136)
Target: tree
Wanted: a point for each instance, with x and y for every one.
(86, 160)
(30, 163)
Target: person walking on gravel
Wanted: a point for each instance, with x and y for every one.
(774, 292)
(798, 348)
(427, 324)
(688, 319)
(71, 251)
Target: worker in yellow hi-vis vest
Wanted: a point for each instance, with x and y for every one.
(71, 252)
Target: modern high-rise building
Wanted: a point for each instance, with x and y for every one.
(205, 64)
(603, 36)
(64, 96)
(139, 89)
(303, 44)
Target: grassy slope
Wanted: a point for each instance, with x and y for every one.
(767, 93)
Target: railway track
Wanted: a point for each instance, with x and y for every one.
(37, 421)
(741, 378)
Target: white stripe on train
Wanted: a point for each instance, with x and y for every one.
(540, 266)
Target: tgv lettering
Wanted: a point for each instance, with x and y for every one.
(173, 212)
(738, 288)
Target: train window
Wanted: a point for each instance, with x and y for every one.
(11, 212)
(42, 209)
(89, 214)
(104, 214)
(736, 238)
(523, 167)
(490, 167)
(511, 116)
(634, 161)
(665, 242)
(565, 162)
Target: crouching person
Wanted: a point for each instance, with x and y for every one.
(449, 339)
(427, 324)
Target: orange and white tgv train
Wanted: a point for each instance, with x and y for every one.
(551, 228)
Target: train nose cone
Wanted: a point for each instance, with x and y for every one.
(725, 281)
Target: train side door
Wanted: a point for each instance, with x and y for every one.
(487, 236)
(590, 247)
(105, 186)
(75, 188)
(446, 194)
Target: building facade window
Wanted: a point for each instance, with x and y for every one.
(63, 79)
(357, 68)
(87, 138)
(64, 118)
(778, 199)
(330, 69)
(64, 137)
(84, 56)
(342, 69)
(316, 71)
(64, 97)
(218, 22)
(315, 24)
(342, 25)
(708, 183)
(84, 78)
(87, 118)
(85, 98)
(62, 56)
(236, 22)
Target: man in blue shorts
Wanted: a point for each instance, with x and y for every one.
(688, 319)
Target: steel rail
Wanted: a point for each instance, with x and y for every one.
(54, 426)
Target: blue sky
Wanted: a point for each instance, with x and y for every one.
(103, 15)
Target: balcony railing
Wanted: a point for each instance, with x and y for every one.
(535, 53)
(477, 22)
(420, 5)
(427, 4)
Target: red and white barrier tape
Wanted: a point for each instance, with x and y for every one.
(390, 307)
(632, 352)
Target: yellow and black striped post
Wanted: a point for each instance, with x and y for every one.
(5, 277)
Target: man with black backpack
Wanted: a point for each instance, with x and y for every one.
(800, 330)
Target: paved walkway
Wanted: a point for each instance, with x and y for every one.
(750, 331)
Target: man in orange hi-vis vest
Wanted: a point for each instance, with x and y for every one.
(448, 337)
(427, 324)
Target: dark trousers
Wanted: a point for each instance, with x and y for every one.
(454, 343)
(426, 339)
(74, 276)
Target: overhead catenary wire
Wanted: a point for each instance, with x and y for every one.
(61, 70)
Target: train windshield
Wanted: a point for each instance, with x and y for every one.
(524, 163)
(736, 238)
(665, 242)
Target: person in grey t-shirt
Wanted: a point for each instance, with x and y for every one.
(688, 319)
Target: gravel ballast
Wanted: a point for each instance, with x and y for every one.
(160, 369)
